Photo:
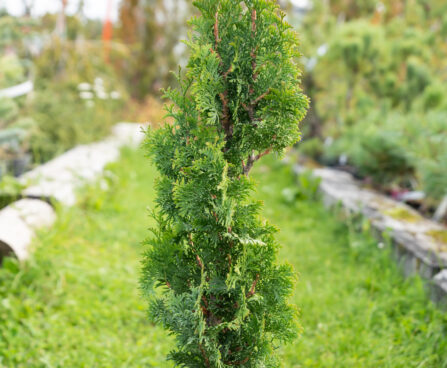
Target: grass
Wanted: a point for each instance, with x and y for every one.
(75, 303)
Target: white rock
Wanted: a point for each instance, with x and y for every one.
(84, 87)
(86, 95)
(18, 223)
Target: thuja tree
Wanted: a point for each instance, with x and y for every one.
(212, 258)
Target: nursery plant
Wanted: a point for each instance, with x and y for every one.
(210, 270)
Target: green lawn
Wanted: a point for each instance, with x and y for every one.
(76, 302)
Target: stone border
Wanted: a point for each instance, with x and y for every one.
(19, 222)
(58, 181)
(18, 90)
(415, 249)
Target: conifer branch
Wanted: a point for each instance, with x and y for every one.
(256, 100)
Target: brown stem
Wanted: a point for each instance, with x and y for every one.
(226, 117)
(216, 30)
(229, 70)
(226, 124)
(205, 358)
(253, 287)
(253, 52)
(199, 261)
(253, 20)
(245, 360)
(256, 100)
(252, 159)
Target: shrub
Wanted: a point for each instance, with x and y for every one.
(434, 177)
(212, 259)
(382, 158)
(312, 147)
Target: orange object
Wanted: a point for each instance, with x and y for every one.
(107, 30)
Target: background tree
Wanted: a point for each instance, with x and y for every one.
(222, 293)
(153, 29)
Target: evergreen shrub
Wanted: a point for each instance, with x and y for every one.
(210, 270)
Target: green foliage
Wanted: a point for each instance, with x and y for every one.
(434, 176)
(63, 120)
(312, 147)
(75, 302)
(355, 306)
(211, 256)
(11, 71)
(10, 190)
(8, 111)
(73, 101)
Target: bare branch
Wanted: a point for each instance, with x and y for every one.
(256, 100)
(252, 159)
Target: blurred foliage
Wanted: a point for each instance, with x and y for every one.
(81, 80)
(305, 189)
(377, 74)
(70, 75)
(79, 90)
(82, 120)
(12, 70)
(10, 190)
(8, 111)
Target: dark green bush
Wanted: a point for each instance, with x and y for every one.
(383, 159)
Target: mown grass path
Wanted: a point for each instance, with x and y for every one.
(76, 302)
